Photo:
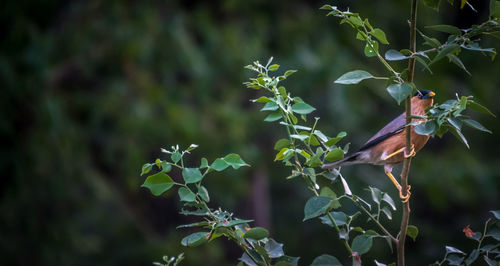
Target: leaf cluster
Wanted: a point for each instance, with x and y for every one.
(487, 241)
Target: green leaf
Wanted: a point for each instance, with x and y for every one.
(423, 63)
(235, 161)
(282, 143)
(274, 67)
(186, 194)
(399, 91)
(462, 3)
(389, 201)
(458, 134)
(165, 166)
(446, 28)
(354, 77)
(302, 108)
(256, 233)
(273, 116)
(203, 192)
(195, 239)
(451, 250)
(356, 20)
(412, 232)
(495, 233)
(282, 92)
(376, 194)
(432, 42)
(380, 35)
(371, 48)
(327, 192)
(334, 141)
(299, 136)
(192, 225)
(449, 48)
(334, 155)
(432, 4)
(270, 106)
(281, 154)
(393, 55)
(274, 249)
(234, 222)
(326, 260)
(476, 125)
(316, 206)
(455, 122)
(158, 183)
(262, 99)
(479, 108)
(454, 59)
(146, 168)
(191, 175)
(340, 219)
(204, 163)
(472, 257)
(496, 214)
(176, 157)
(387, 212)
(219, 165)
(289, 72)
(427, 128)
(362, 244)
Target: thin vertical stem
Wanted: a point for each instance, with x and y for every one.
(406, 164)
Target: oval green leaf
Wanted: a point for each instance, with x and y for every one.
(326, 260)
(186, 195)
(234, 160)
(354, 77)
(256, 233)
(362, 244)
(427, 128)
(146, 168)
(219, 165)
(316, 206)
(399, 91)
(158, 183)
(334, 155)
(446, 28)
(393, 55)
(191, 175)
(380, 35)
(302, 108)
(412, 232)
(195, 239)
(274, 116)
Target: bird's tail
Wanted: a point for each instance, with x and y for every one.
(349, 160)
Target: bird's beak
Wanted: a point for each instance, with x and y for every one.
(432, 94)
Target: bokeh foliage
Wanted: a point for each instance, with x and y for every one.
(91, 89)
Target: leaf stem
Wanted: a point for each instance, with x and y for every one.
(374, 220)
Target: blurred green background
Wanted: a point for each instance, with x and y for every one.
(92, 89)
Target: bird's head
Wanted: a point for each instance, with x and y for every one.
(424, 94)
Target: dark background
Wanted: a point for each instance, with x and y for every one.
(91, 90)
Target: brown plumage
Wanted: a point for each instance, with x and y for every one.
(387, 146)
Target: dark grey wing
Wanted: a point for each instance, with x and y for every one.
(394, 127)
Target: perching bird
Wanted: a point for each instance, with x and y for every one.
(388, 146)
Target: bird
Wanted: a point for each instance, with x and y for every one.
(388, 146)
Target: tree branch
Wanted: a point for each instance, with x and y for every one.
(406, 164)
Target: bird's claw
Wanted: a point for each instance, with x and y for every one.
(405, 198)
(412, 152)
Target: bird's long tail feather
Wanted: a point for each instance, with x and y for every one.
(349, 160)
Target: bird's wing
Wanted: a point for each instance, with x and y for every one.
(394, 127)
